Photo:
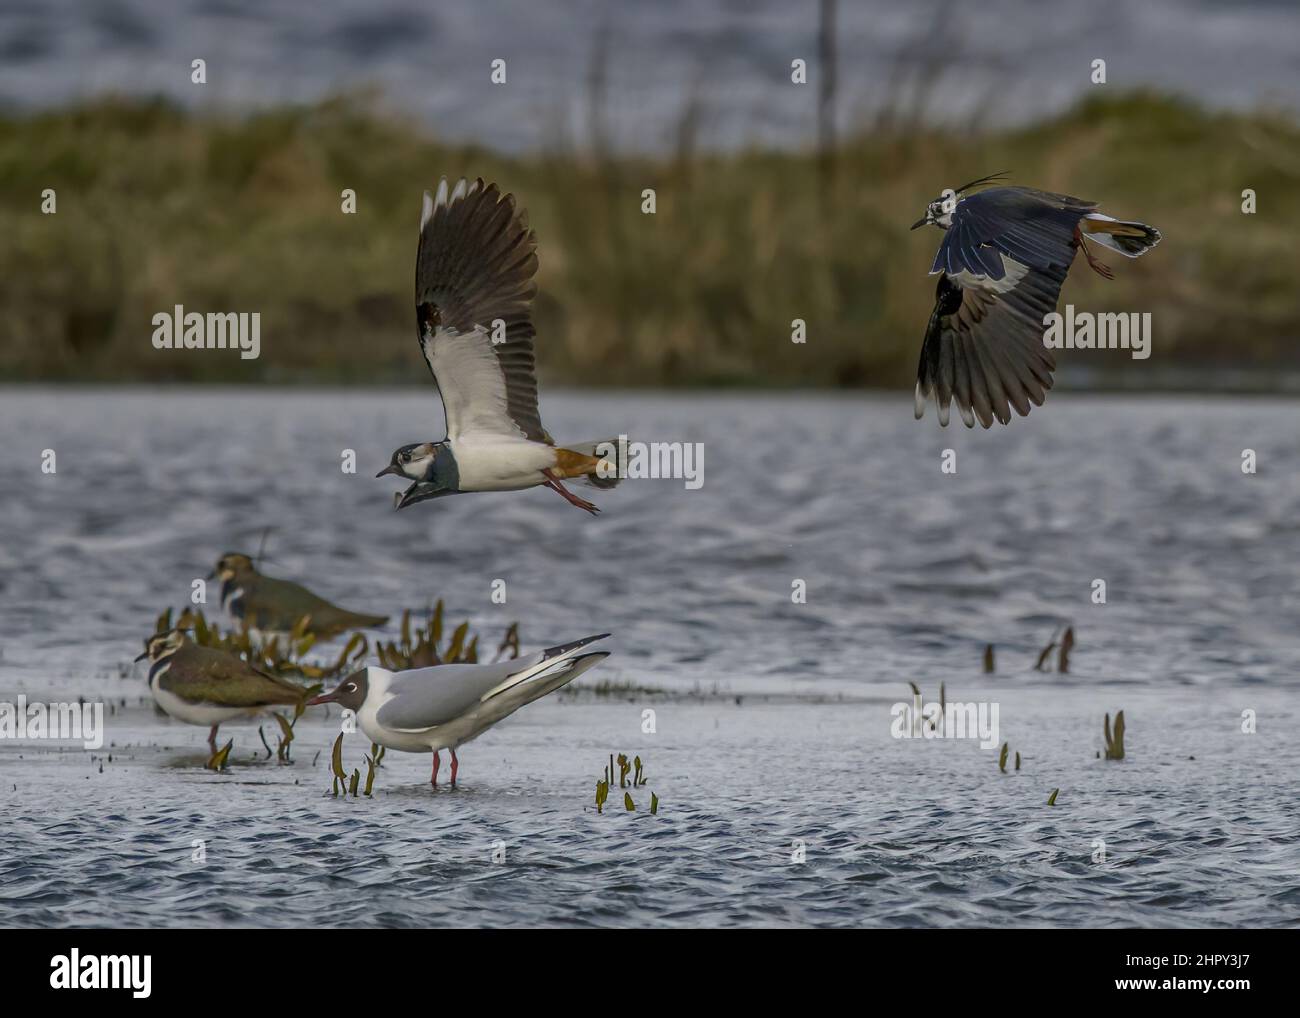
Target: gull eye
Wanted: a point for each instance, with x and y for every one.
(352, 687)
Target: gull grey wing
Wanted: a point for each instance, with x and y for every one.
(426, 697)
(474, 290)
(984, 349)
(561, 674)
(1036, 228)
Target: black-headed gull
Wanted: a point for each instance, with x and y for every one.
(430, 709)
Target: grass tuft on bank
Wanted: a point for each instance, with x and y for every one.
(158, 206)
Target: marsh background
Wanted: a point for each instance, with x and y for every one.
(775, 201)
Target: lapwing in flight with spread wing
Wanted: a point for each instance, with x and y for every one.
(1004, 255)
(474, 291)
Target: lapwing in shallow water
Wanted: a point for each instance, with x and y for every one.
(206, 686)
(431, 709)
(1004, 255)
(473, 293)
(269, 605)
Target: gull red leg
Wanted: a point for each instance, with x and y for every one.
(434, 780)
(212, 738)
(455, 766)
(554, 484)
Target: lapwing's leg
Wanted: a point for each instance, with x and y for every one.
(554, 484)
(1101, 268)
(455, 765)
(434, 780)
(212, 738)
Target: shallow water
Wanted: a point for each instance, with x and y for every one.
(774, 725)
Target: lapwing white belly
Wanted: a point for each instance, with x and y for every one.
(500, 464)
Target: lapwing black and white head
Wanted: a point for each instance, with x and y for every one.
(1003, 258)
(474, 292)
(413, 461)
(431, 709)
(207, 686)
(269, 605)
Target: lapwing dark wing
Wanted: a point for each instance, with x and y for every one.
(270, 605)
(206, 686)
(431, 709)
(474, 291)
(1003, 259)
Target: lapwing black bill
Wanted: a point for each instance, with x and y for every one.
(425, 710)
(1004, 256)
(206, 686)
(267, 605)
(474, 292)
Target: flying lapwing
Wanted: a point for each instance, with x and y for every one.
(473, 295)
(1004, 255)
(431, 709)
(268, 605)
(207, 686)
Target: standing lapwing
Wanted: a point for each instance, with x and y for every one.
(1004, 256)
(473, 295)
(268, 605)
(426, 710)
(207, 686)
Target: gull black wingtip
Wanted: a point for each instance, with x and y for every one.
(565, 648)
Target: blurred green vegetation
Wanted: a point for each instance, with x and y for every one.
(158, 206)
